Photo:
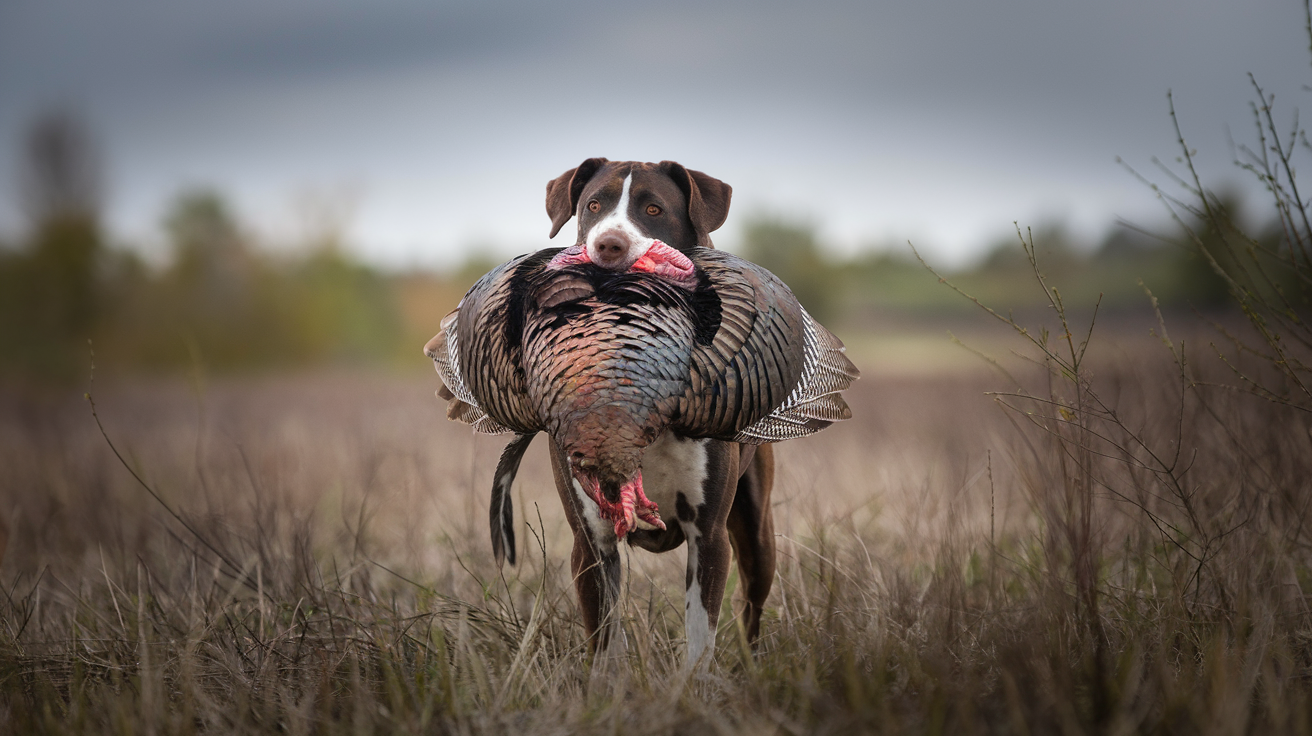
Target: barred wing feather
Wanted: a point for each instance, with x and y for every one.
(815, 403)
(461, 404)
(479, 357)
(771, 372)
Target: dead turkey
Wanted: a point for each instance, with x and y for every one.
(702, 344)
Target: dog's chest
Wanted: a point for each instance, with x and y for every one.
(671, 466)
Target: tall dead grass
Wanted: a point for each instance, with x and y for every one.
(1125, 549)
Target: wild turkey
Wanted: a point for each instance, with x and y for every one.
(706, 345)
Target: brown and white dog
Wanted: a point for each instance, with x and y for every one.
(714, 495)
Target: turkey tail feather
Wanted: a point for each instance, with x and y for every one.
(501, 512)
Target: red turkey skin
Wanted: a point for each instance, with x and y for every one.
(658, 259)
(632, 508)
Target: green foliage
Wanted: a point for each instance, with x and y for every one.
(49, 297)
(240, 307)
(878, 285)
(791, 252)
(50, 289)
(472, 269)
(222, 301)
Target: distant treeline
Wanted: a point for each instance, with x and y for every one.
(225, 301)
(222, 302)
(884, 282)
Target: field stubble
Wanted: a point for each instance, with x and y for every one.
(945, 563)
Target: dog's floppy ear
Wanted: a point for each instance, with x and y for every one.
(563, 192)
(708, 199)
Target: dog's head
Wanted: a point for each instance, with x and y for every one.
(624, 207)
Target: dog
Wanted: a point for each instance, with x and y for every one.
(713, 495)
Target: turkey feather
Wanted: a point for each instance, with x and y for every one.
(607, 362)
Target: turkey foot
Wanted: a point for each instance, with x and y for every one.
(635, 509)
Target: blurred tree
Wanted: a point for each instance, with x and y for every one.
(345, 311)
(1126, 242)
(1056, 249)
(790, 251)
(212, 270)
(49, 290)
(61, 171)
(1201, 285)
(213, 305)
(233, 305)
(203, 233)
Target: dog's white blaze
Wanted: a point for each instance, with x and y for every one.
(672, 466)
(618, 219)
(696, 621)
(602, 533)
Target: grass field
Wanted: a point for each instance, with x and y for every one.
(1123, 552)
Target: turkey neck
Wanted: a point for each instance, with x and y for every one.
(606, 358)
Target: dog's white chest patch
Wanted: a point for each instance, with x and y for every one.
(671, 466)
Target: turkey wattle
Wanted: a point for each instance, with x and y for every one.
(704, 344)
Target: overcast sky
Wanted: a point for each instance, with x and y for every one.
(437, 124)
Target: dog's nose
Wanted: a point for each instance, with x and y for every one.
(611, 249)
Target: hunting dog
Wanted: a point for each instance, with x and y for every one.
(712, 494)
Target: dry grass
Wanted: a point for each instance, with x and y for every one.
(946, 564)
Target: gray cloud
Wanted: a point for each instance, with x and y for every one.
(938, 120)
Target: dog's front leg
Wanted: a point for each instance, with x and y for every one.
(708, 569)
(703, 523)
(596, 567)
(595, 560)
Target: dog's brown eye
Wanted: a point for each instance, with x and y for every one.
(653, 210)
(594, 206)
